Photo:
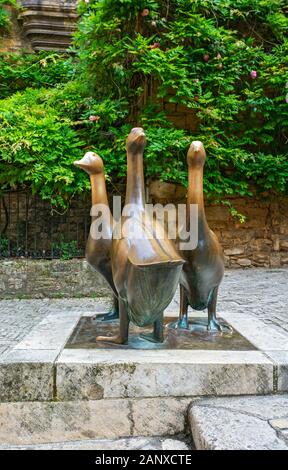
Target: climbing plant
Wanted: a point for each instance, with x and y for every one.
(225, 60)
(20, 71)
(5, 15)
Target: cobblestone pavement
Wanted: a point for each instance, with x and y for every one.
(260, 292)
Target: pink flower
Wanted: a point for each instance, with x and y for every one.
(93, 118)
(155, 45)
(145, 12)
(206, 57)
(253, 74)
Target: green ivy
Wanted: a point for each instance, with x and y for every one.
(5, 15)
(202, 55)
(38, 146)
(43, 69)
(65, 250)
(199, 54)
(4, 247)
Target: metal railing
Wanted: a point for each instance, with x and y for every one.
(30, 227)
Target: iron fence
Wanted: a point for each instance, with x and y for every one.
(30, 227)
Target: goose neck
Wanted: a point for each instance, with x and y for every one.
(135, 192)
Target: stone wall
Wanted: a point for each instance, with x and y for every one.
(56, 279)
(261, 241)
(13, 39)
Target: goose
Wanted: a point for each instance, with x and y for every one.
(98, 251)
(204, 266)
(146, 269)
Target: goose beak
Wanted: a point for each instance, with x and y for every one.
(81, 164)
(85, 161)
(141, 138)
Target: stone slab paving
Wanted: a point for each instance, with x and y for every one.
(259, 293)
(245, 423)
(45, 389)
(129, 443)
(19, 317)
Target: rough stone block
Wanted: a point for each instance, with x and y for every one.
(244, 262)
(30, 423)
(238, 423)
(20, 381)
(158, 416)
(234, 251)
(27, 423)
(281, 359)
(96, 374)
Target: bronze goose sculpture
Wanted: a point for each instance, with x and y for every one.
(98, 251)
(146, 270)
(204, 266)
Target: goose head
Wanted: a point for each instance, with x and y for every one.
(136, 140)
(196, 155)
(91, 163)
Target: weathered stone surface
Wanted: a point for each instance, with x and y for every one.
(50, 278)
(239, 423)
(281, 359)
(280, 423)
(264, 336)
(234, 251)
(33, 356)
(95, 374)
(128, 443)
(19, 317)
(28, 423)
(26, 381)
(48, 25)
(157, 416)
(244, 262)
(52, 333)
(31, 423)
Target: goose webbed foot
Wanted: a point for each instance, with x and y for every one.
(215, 325)
(181, 324)
(110, 316)
(151, 337)
(113, 314)
(122, 337)
(157, 335)
(117, 339)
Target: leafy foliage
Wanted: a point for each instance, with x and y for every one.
(224, 60)
(4, 245)
(38, 146)
(65, 250)
(5, 15)
(18, 72)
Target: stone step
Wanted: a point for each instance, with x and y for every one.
(240, 423)
(51, 394)
(35, 422)
(38, 368)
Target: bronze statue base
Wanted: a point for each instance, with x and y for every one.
(197, 337)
